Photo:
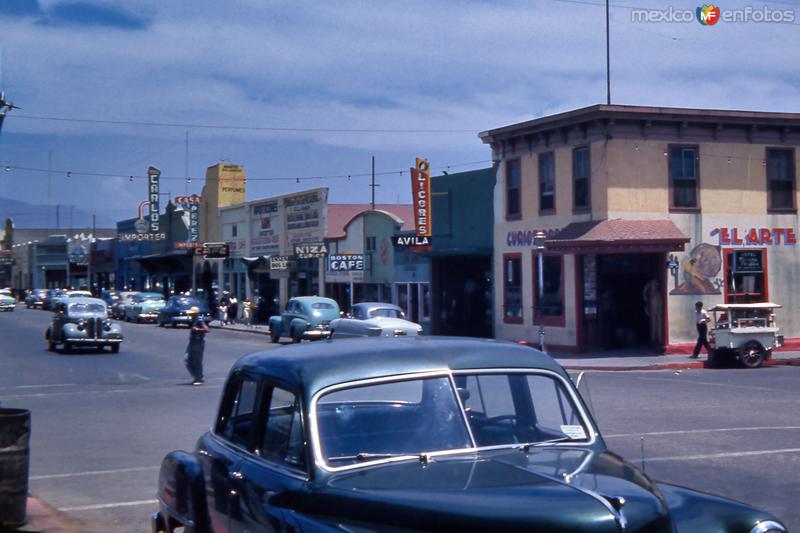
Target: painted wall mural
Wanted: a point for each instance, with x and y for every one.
(699, 271)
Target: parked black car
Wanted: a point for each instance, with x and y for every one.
(418, 434)
(176, 311)
(51, 296)
(110, 297)
(35, 298)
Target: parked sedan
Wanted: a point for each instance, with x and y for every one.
(374, 319)
(305, 317)
(176, 311)
(430, 435)
(35, 298)
(51, 297)
(82, 322)
(7, 300)
(118, 308)
(144, 307)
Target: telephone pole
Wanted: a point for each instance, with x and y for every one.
(608, 59)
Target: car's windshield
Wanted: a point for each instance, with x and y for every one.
(148, 296)
(387, 312)
(186, 303)
(82, 308)
(411, 417)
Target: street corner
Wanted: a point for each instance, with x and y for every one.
(41, 518)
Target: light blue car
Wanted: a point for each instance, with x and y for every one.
(305, 317)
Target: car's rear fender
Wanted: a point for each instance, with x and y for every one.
(298, 324)
(181, 492)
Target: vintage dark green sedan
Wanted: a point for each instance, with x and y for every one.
(418, 434)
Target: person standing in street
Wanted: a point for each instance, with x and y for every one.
(701, 320)
(197, 344)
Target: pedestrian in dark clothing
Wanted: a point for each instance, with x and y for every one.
(701, 320)
(197, 344)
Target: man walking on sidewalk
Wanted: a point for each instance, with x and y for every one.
(701, 319)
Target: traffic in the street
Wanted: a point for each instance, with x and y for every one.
(102, 422)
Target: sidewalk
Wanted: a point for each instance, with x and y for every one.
(643, 360)
(261, 329)
(41, 519)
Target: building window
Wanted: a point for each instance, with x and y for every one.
(745, 275)
(512, 288)
(547, 182)
(581, 173)
(234, 231)
(683, 177)
(513, 189)
(780, 179)
(552, 307)
(370, 244)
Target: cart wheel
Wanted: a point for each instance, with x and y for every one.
(752, 355)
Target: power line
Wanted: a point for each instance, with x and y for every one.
(132, 177)
(240, 128)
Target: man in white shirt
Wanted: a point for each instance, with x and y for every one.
(701, 320)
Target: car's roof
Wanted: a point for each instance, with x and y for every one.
(309, 299)
(86, 300)
(313, 366)
(373, 305)
(761, 305)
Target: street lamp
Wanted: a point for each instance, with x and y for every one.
(538, 241)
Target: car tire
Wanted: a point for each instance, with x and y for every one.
(66, 347)
(174, 324)
(297, 336)
(274, 336)
(51, 346)
(752, 355)
(115, 348)
(160, 324)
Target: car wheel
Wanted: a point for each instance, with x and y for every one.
(274, 336)
(51, 346)
(160, 324)
(297, 336)
(115, 348)
(174, 324)
(66, 347)
(752, 355)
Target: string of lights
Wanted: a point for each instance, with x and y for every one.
(133, 177)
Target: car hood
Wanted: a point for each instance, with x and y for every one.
(554, 489)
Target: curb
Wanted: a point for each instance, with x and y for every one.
(672, 366)
(40, 519)
(225, 328)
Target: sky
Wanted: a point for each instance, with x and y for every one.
(303, 94)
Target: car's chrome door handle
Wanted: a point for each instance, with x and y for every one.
(236, 474)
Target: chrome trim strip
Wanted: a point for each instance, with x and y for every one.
(767, 526)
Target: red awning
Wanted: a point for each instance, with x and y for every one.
(618, 236)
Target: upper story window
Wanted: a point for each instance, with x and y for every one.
(683, 177)
(513, 189)
(547, 182)
(370, 245)
(234, 231)
(581, 173)
(780, 179)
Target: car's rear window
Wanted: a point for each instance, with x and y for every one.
(321, 305)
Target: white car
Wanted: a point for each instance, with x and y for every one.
(374, 319)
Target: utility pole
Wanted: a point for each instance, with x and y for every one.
(608, 59)
(373, 185)
(186, 166)
(49, 180)
(91, 250)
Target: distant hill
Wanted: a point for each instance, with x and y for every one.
(27, 215)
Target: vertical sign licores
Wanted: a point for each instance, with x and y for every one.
(421, 193)
(152, 195)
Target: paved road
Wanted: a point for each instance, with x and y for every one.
(102, 422)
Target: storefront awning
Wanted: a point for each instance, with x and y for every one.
(253, 261)
(176, 261)
(618, 236)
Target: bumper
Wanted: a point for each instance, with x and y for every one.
(147, 316)
(7, 307)
(91, 341)
(316, 334)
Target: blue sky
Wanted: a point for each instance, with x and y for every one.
(458, 67)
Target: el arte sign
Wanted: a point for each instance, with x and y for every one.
(345, 262)
(755, 236)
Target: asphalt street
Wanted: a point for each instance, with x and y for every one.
(102, 422)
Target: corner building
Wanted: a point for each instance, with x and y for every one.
(646, 211)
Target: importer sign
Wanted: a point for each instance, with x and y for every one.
(345, 262)
(310, 250)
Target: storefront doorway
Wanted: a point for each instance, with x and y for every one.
(631, 307)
